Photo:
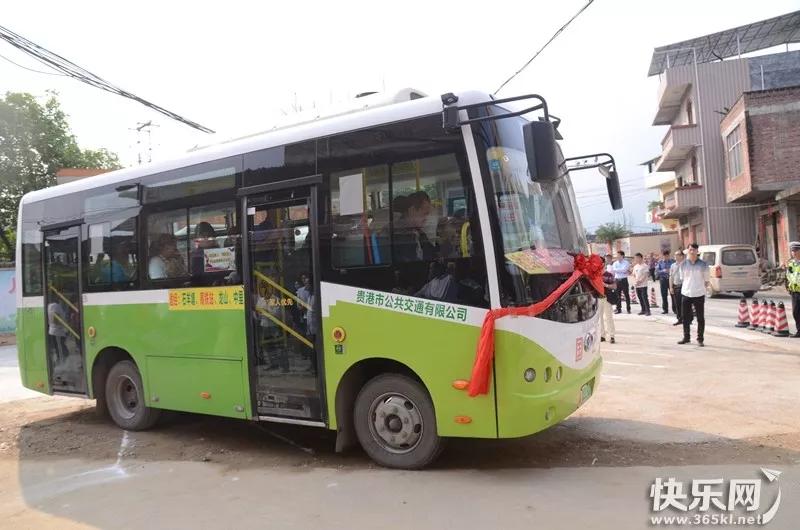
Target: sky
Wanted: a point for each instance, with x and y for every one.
(237, 67)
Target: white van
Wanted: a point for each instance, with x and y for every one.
(732, 268)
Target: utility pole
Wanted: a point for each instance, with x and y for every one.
(144, 128)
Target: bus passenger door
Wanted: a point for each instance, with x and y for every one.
(282, 305)
(62, 298)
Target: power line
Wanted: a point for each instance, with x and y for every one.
(535, 55)
(31, 69)
(70, 69)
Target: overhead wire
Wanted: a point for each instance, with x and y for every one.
(535, 55)
(70, 69)
(31, 69)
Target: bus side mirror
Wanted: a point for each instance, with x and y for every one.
(540, 150)
(614, 193)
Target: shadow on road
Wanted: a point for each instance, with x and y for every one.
(236, 444)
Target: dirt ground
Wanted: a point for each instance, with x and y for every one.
(658, 407)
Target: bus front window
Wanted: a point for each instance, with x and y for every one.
(539, 225)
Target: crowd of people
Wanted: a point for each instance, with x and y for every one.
(682, 281)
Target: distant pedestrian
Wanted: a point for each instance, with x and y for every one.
(694, 273)
(641, 274)
(793, 284)
(606, 312)
(662, 276)
(621, 269)
(609, 261)
(651, 264)
(675, 285)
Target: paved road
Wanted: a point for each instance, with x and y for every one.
(723, 411)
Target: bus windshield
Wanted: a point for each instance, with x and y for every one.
(539, 222)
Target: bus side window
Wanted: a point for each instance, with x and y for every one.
(215, 245)
(360, 217)
(110, 256)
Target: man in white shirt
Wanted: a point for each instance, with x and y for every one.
(641, 273)
(695, 275)
(621, 269)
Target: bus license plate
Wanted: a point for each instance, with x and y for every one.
(586, 393)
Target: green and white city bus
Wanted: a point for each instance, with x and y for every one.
(332, 273)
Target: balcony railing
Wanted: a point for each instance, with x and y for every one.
(677, 144)
(683, 200)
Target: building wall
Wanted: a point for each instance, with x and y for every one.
(774, 71)
(774, 137)
(741, 184)
(720, 85)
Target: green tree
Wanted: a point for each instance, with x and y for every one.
(35, 142)
(610, 232)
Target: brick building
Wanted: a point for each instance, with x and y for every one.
(700, 80)
(761, 135)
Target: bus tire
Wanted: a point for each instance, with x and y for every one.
(748, 294)
(395, 422)
(125, 398)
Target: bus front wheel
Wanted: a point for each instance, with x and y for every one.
(396, 423)
(125, 398)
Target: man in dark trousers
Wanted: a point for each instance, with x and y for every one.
(694, 272)
(675, 285)
(622, 269)
(662, 275)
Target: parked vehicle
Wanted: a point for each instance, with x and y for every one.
(732, 268)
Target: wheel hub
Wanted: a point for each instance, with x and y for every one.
(396, 423)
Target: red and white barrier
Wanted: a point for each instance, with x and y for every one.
(755, 313)
(653, 302)
(744, 319)
(764, 318)
(781, 322)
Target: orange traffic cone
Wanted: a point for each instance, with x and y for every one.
(764, 316)
(771, 318)
(754, 313)
(781, 323)
(744, 320)
(653, 297)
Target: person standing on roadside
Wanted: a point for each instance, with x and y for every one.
(694, 272)
(641, 274)
(651, 263)
(675, 285)
(621, 269)
(793, 284)
(662, 276)
(609, 261)
(606, 313)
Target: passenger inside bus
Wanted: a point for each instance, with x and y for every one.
(166, 262)
(410, 241)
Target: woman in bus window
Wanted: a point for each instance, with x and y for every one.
(167, 261)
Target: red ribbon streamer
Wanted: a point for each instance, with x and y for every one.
(590, 268)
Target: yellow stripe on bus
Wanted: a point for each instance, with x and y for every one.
(287, 328)
(281, 289)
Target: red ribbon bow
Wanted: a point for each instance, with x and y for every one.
(590, 267)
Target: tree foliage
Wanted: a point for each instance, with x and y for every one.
(610, 232)
(35, 142)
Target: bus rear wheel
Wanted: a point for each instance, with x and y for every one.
(396, 423)
(125, 398)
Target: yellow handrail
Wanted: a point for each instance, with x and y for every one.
(64, 298)
(287, 328)
(69, 328)
(281, 289)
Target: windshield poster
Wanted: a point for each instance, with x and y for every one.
(542, 261)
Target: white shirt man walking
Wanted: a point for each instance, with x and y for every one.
(695, 275)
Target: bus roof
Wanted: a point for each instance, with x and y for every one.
(370, 111)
